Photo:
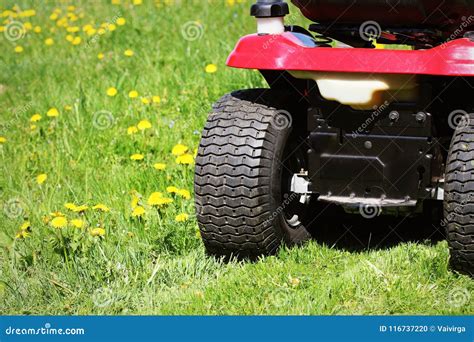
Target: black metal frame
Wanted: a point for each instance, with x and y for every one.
(394, 152)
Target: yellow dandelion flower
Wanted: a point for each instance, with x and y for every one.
(137, 156)
(138, 211)
(81, 208)
(145, 100)
(159, 166)
(3, 140)
(179, 149)
(144, 124)
(156, 99)
(40, 179)
(100, 56)
(70, 206)
(185, 159)
(137, 2)
(76, 41)
(162, 201)
(211, 68)
(33, 127)
(57, 214)
(49, 41)
(91, 32)
(132, 130)
(53, 16)
(101, 207)
(134, 202)
(72, 29)
(46, 219)
(133, 94)
(165, 200)
(52, 112)
(28, 13)
(70, 38)
(181, 217)
(172, 189)
(128, 53)
(26, 225)
(98, 232)
(37, 29)
(111, 27)
(68, 107)
(19, 49)
(22, 234)
(120, 21)
(101, 31)
(59, 222)
(154, 197)
(111, 91)
(35, 118)
(77, 223)
(184, 193)
(76, 208)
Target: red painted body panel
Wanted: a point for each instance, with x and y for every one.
(286, 52)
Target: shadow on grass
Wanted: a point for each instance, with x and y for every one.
(353, 232)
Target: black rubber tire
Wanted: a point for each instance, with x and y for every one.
(459, 199)
(238, 176)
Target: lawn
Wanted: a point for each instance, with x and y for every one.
(101, 107)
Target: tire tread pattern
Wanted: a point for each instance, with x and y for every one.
(233, 176)
(459, 199)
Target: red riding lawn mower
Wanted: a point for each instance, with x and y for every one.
(343, 123)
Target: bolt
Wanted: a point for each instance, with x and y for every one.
(420, 117)
(394, 116)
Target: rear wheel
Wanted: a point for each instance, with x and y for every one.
(459, 199)
(242, 177)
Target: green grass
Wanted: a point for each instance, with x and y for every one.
(156, 265)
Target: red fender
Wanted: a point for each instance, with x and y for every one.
(286, 52)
